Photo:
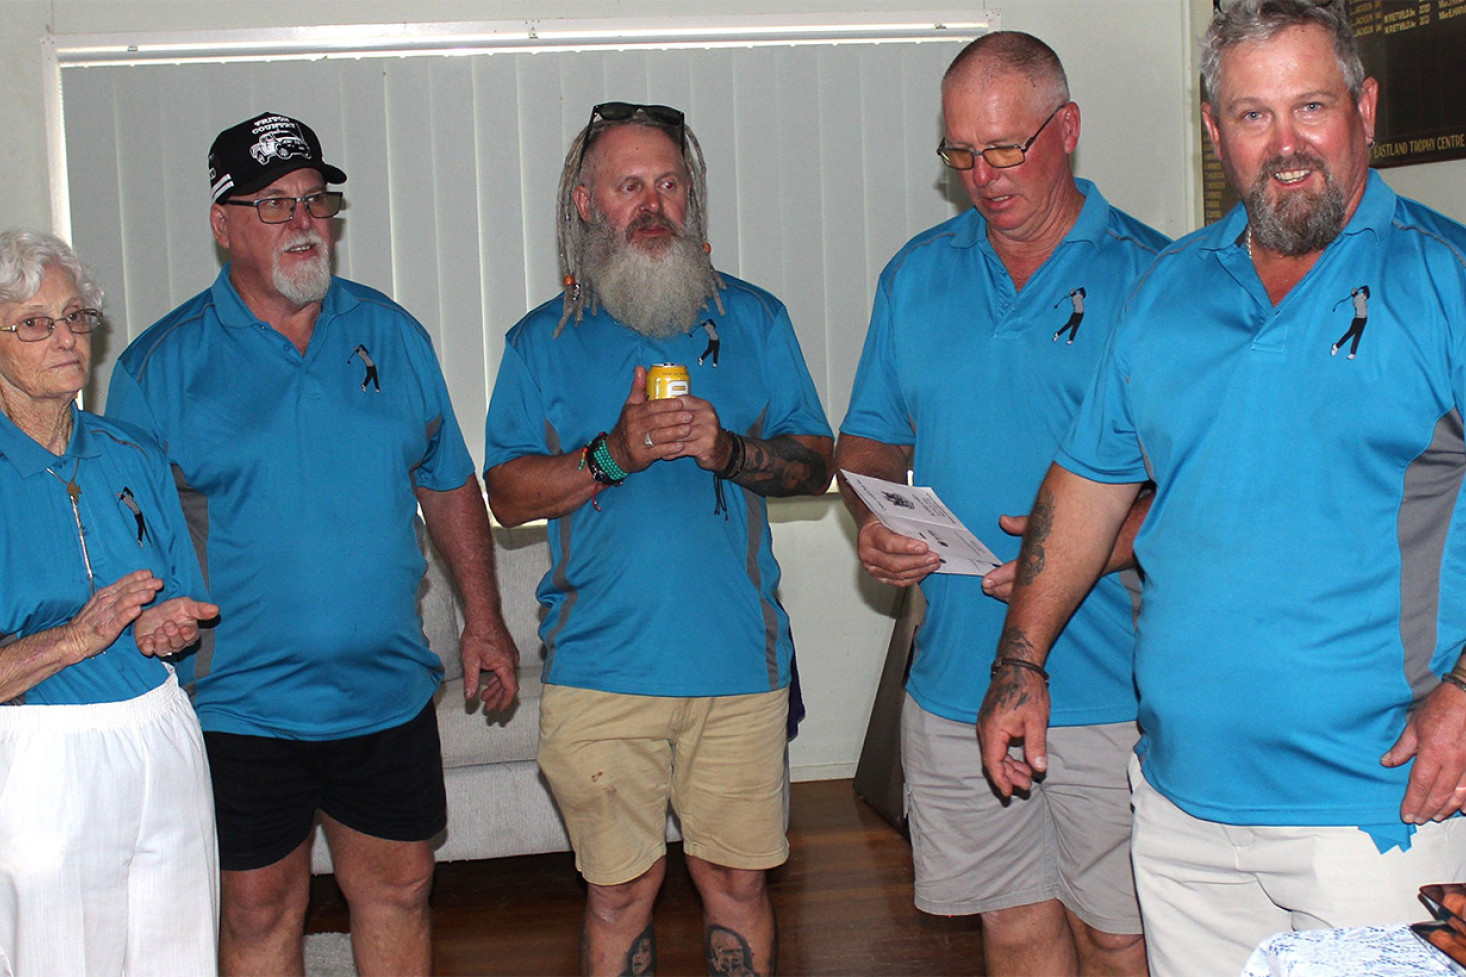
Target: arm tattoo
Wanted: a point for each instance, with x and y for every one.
(781, 466)
(728, 954)
(1031, 555)
(1013, 643)
(1010, 687)
(1006, 692)
(641, 956)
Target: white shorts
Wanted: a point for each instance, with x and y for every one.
(1068, 840)
(1210, 892)
(107, 854)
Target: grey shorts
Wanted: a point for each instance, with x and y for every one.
(1069, 840)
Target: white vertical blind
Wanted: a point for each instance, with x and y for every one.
(820, 165)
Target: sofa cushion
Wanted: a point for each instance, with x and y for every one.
(471, 736)
(522, 556)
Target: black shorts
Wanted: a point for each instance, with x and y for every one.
(387, 784)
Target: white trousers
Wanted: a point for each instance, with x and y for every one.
(108, 860)
(1210, 892)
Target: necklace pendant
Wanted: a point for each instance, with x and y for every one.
(73, 490)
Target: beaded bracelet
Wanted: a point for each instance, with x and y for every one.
(1451, 678)
(603, 467)
(1019, 663)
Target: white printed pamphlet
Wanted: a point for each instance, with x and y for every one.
(914, 511)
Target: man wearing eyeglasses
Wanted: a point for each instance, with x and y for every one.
(1302, 689)
(963, 382)
(669, 655)
(301, 480)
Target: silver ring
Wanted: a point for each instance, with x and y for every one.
(647, 440)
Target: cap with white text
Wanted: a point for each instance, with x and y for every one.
(254, 154)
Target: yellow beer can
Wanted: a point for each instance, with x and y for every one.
(665, 380)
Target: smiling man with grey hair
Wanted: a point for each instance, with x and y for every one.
(1302, 688)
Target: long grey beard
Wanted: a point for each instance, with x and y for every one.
(1300, 223)
(310, 281)
(656, 293)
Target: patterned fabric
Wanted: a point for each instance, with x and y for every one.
(1379, 951)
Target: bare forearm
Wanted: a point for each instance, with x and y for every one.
(1071, 535)
(791, 464)
(458, 524)
(866, 457)
(31, 660)
(538, 487)
(1122, 557)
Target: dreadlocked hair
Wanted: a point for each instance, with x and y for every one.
(571, 233)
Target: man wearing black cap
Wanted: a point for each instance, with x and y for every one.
(301, 480)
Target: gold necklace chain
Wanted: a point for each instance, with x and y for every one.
(73, 492)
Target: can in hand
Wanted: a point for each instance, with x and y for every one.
(665, 380)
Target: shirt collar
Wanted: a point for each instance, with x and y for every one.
(1090, 226)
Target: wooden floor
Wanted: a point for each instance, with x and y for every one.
(843, 902)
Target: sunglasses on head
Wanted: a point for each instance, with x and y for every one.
(1217, 7)
(662, 116)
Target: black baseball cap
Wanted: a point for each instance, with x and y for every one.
(257, 152)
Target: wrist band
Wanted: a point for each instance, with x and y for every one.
(1030, 666)
(1451, 678)
(736, 456)
(603, 467)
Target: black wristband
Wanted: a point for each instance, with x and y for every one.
(1019, 663)
(736, 456)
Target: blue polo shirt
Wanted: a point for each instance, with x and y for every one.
(1306, 571)
(658, 592)
(982, 378)
(297, 473)
(122, 476)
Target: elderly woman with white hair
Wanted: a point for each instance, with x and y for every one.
(107, 850)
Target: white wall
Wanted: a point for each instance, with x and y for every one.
(1129, 68)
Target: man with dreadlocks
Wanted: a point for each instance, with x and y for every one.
(664, 635)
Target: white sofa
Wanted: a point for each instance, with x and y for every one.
(498, 804)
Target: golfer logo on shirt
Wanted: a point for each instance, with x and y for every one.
(127, 499)
(713, 343)
(1075, 296)
(1360, 297)
(371, 368)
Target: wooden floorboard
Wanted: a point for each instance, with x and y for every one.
(843, 902)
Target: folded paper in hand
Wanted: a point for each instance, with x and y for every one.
(917, 512)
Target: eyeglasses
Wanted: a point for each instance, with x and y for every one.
(38, 327)
(281, 210)
(998, 157)
(663, 116)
